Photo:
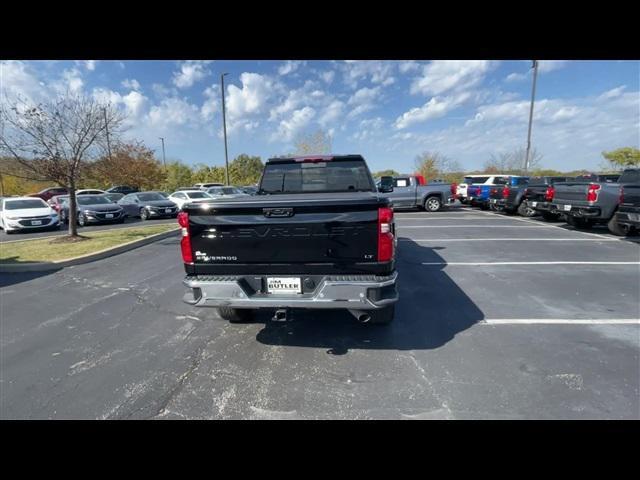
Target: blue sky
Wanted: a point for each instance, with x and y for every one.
(389, 111)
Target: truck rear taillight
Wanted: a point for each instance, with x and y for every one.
(621, 197)
(505, 192)
(454, 188)
(185, 242)
(592, 192)
(548, 195)
(385, 235)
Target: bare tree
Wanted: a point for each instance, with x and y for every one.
(512, 162)
(310, 143)
(434, 165)
(56, 140)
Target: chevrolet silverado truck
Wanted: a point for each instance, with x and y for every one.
(509, 198)
(478, 195)
(628, 214)
(409, 192)
(317, 235)
(539, 194)
(585, 203)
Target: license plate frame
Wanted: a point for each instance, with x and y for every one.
(534, 204)
(108, 215)
(167, 210)
(284, 285)
(35, 223)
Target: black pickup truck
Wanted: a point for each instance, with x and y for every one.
(317, 235)
(539, 194)
(628, 214)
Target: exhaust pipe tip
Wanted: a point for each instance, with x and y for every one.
(364, 318)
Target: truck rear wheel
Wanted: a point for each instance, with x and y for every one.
(384, 316)
(549, 217)
(524, 210)
(235, 315)
(432, 204)
(615, 227)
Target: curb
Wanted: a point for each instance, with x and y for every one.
(49, 266)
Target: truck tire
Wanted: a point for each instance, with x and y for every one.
(384, 316)
(524, 210)
(235, 315)
(578, 222)
(550, 217)
(615, 228)
(432, 204)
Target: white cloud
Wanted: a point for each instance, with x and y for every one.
(516, 77)
(434, 108)
(328, 76)
(296, 123)
(378, 72)
(408, 66)
(190, 72)
(87, 64)
(364, 100)
(212, 103)
(18, 79)
(172, 112)
(613, 93)
(546, 66)
(290, 66)
(131, 84)
(368, 128)
(440, 76)
(71, 81)
(331, 113)
(135, 103)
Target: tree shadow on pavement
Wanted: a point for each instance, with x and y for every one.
(432, 309)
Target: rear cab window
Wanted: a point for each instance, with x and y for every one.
(630, 176)
(316, 175)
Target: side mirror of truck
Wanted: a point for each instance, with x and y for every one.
(386, 185)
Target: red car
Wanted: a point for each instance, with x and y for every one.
(47, 193)
(56, 202)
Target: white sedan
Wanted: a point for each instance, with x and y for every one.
(182, 197)
(26, 213)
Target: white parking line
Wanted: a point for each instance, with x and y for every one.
(470, 226)
(560, 321)
(601, 239)
(546, 225)
(528, 263)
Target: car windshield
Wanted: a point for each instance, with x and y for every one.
(316, 176)
(150, 197)
(92, 200)
(197, 195)
(24, 204)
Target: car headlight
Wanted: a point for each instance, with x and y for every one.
(12, 218)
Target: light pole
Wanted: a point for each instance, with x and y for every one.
(533, 97)
(164, 161)
(224, 128)
(106, 126)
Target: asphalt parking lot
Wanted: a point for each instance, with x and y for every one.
(129, 222)
(500, 317)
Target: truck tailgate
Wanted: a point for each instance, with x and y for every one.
(286, 229)
(571, 192)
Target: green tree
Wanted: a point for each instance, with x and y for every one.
(623, 157)
(178, 175)
(245, 170)
(433, 165)
(206, 174)
(386, 173)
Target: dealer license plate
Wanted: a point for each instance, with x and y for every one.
(284, 285)
(167, 210)
(566, 208)
(108, 215)
(36, 222)
(533, 204)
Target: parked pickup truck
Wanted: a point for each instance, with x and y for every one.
(476, 180)
(628, 214)
(509, 198)
(585, 203)
(538, 196)
(478, 195)
(408, 192)
(317, 235)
